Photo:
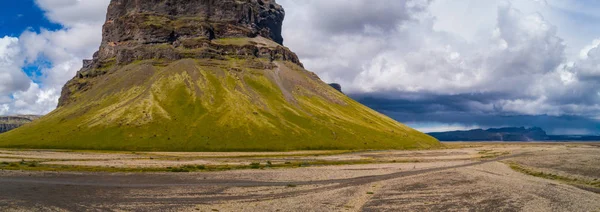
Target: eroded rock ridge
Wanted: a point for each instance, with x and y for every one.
(169, 30)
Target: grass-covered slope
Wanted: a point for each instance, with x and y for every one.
(213, 105)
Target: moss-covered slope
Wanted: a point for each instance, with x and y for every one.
(213, 105)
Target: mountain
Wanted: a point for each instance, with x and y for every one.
(573, 138)
(509, 134)
(200, 75)
(499, 134)
(8, 123)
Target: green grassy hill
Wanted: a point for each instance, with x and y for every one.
(212, 105)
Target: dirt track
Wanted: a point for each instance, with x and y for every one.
(468, 184)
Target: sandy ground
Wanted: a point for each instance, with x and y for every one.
(172, 159)
(465, 177)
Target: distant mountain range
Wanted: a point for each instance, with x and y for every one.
(509, 134)
(8, 123)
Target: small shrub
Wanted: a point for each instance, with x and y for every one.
(291, 185)
(255, 165)
(370, 192)
(201, 167)
(179, 170)
(484, 151)
(269, 163)
(287, 162)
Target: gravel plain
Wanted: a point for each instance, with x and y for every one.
(462, 177)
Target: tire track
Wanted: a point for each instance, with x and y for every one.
(128, 182)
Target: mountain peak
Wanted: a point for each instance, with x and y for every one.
(205, 75)
(155, 20)
(171, 30)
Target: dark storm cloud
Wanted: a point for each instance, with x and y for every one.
(357, 16)
(551, 124)
(426, 103)
(456, 109)
(389, 56)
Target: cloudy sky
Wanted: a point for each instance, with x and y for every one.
(433, 64)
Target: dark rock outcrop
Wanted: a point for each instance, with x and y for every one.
(336, 86)
(133, 23)
(169, 30)
(8, 123)
(161, 21)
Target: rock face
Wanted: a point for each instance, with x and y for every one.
(8, 123)
(161, 21)
(138, 30)
(204, 75)
(336, 86)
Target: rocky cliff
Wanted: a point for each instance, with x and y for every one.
(336, 86)
(171, 30)
(8, 123)
(204, 75)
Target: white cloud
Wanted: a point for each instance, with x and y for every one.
(584, 53)
(524, 57)
(64, 52)
(11, 75)
(3, 109)
(34, 100)
(588, 67)
(63, 49)
(441, 127)
(71, 13)
(510, 53)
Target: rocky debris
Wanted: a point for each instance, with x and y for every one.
(336, 86)
(170, 30)
(8, 123)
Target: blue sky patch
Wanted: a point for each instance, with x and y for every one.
(17, 16)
